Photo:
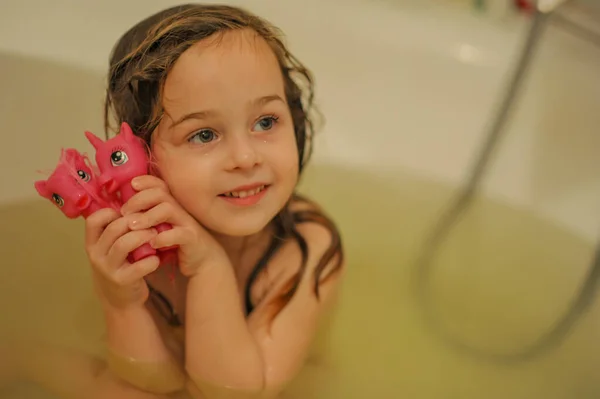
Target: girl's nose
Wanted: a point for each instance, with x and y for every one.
(243, 152)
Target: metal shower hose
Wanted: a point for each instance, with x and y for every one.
(461, 203)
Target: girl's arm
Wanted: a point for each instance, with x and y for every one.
(137, 353)
(225, 354)
(254, 355)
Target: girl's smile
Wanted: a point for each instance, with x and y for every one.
(247, 195)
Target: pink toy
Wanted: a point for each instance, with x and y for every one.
(120, 159)
(74, 188)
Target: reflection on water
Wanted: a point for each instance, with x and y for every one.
(500, 280)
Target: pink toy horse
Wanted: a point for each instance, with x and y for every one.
(120, 159)
(74, 188)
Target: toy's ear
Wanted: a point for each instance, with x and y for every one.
(94, 140)
(72, 152)
(42, 189)
(127, 132)
(70, 155)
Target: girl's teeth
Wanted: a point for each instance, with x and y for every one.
(244, 194)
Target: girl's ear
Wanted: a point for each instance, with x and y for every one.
(153, 168)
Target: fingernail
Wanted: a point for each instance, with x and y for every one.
(135, 183)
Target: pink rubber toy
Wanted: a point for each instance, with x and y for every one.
(120, 159)
(74, 188)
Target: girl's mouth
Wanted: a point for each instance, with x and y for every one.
(245, 196)
(244, 193)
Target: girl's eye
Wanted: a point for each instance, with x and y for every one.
(203, 136)
(266, 123)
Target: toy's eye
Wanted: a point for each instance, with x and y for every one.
(83, 175)
(118, 158)
(58, 200)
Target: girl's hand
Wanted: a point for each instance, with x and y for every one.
(152, 205)
(108, 242)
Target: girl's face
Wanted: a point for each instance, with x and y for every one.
(226, 145)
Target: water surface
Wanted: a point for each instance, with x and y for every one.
(500, 280)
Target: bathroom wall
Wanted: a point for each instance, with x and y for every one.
(407, 84)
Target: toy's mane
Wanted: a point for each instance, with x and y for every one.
(68, 160)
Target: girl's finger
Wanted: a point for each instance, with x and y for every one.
(145, 182)
(129, 273)
(117, 255)
(176, 236)
(165, 212)
(113, 232)
(97, 222)
(144, 200)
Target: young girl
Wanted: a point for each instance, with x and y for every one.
(220, 102)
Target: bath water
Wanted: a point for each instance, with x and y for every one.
(500, 280)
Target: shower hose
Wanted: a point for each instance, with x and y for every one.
(581, 303)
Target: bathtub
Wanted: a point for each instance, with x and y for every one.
(407, 89)
(423, 81)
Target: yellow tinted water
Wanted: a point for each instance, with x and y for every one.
(500, 280)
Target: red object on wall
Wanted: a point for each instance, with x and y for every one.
(525, 5)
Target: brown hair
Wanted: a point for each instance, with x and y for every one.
(139, 64)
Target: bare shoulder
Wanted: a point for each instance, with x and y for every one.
(303, 280)
(321, 235)
(314, 225)
(312, 256)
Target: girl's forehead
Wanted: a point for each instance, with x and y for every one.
(234, 63)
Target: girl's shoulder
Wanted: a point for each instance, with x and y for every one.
(310, 256)
(302, 280)
(314, 224)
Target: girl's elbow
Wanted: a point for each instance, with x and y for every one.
(248, 383)
(276, 380)
(254, 384)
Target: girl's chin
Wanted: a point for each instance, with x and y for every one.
(238, 224)
(238, 227)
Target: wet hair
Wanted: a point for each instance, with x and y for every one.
(139, 64)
